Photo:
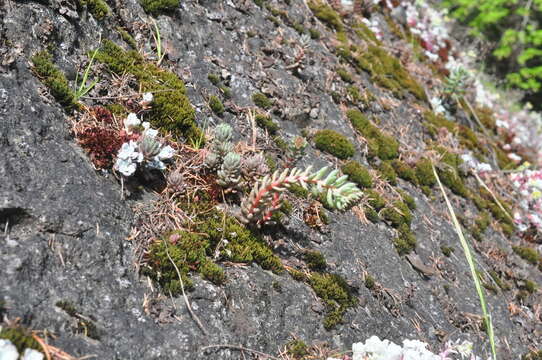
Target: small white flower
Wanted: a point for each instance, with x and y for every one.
(31, 354)
(147, 98)
(131, 122)
(8, 351)
(166, 152)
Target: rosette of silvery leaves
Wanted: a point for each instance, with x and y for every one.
(147, 150)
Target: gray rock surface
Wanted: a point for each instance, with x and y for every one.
(66, 226)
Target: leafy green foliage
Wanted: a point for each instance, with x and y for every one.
(513, 29)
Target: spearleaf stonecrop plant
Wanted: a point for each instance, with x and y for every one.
(265, 196)
(229, 174)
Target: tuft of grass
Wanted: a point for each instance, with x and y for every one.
(472, 266)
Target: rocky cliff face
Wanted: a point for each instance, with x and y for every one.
(69, 261)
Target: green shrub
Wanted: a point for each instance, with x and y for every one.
(514, 37)
(334, 143)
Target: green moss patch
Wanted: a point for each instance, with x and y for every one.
(297, 349)
(383, 146)
(387, 71)
(424, 173)
(336, 295)
(216, 105)
(326, 14)
(54, 79)
(266, 123)
(406, 241)
(192, 251)
(21, 338)
(404, 171)
(262, 101)
(358, 174)
(315, 260)
(387, 172)
(345, 75)
(171, 111)
(98, 8)
(334, 143)
(156, 7)
(398, 214)
(527, 254)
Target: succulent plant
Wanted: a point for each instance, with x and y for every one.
(254, 167)
(265, 197)
(229, 174)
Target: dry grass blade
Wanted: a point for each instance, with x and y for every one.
(472, 266)
(189, 307)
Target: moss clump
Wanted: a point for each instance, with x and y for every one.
(21, 338)
(214, 79)
(298, 275)
(407, 199)
(404, 171)
(406, 241)
(344, 75)
(315, 260)
(397, 214)
(370, 282)
(375, 200)
(335, 293)
(532, 355)
(55, 80)
(447, 250)
(128, 39)
(387, 172)
(98, 8)
(299, 191)
(262, 101)
(334, 143)
(171, 111)
(527, 254)
(188, 252)
(326, 14)
(156, 7)
(353, 94)
(371, 214)
(358, 174)
(191, 251)
(387, 71)
(297, 349)
(453, 181)
(315, 34)
(424, 173)
(383, 146)
(364, 33)
(480, 225)
(266, 123)
(216, 105)
(117, 109)
(530, 286)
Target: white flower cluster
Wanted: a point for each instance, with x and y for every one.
(8, 351)
(529, 185)
(376, 349)
(472, 163)
(146, 150)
